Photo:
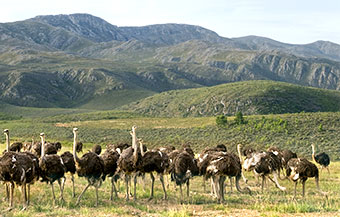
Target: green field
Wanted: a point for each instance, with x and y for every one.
(293, 131)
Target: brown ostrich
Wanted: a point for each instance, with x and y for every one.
(153, 161)
(70, 167)
(302, 169)
(52, 168)
(224, 164)
(183, 167)
(90, 166)
(264, 164)
(110, 158)
(17, 168)
(128, 162)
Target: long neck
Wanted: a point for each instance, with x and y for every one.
(313, 153)
(141, 148)
(75, 157)
(42, 147)
(239, 153)
(7, 142)
(134, 145)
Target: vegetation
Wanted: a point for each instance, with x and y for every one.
(221, 121)
(249, 97)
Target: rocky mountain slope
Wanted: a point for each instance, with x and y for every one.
(80, 60)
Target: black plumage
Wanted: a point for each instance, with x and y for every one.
(70, 167)
(16, 147)
(321, 158)
(79, 147)
(52, 168)
(110, 158)
(90, 166)
(97, 149)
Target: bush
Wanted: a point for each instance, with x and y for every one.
(221, 121)
(239, 118)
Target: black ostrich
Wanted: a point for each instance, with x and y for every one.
(153, 161)
(322, 159)
(263, 164)
(284, 157)
(90, 166)
(183, 167)
(302, 169)
(20, 169)
(70, 167)
(52, 168)
(222, 164)
(16, 147)
(110, 158)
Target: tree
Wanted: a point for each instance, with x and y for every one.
(221, 121)
(239, 118)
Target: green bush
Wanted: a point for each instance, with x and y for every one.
(239, 118)
(221, 121)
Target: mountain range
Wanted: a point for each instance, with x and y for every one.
(82, 61)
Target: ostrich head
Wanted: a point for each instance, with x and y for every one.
(6, 131)
(75, 130)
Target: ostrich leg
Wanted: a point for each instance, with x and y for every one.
(180, 188)
(53, 193)
(231, 184)
(188, 184)
(277, 182)
(295, 184)
(61, 190)
(134, 187)
(127, 186)
(152, 185)
(221, 182)
(81, 194)
(11, 191)
(96, 186)
(163, 186)
(23, 190)
(28, 194)
(73, 190)
(7, 192)
(113, 188)
(262, 185)
(303, 188)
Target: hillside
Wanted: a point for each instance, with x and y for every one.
(82, 61)
(250, 97)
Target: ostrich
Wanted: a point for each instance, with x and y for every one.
(321, 158)
(52, 168)
(224, 164)
(110, 158)
(70, 167)
(204, 159)
(128, 162)
(302, 169)
(153, 161)
(16, 147)
(19, 169)
(263, 164)
(183, 167)
(90, 166)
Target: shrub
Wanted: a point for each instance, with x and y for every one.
(221, 121)
(239, 118)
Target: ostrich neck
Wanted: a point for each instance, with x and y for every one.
(134, 145)
(76, 159)
(42, 147)
(239, 153)
(141, 149)
(313, 153)
(7, 142)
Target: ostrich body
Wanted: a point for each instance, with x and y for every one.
(90, 166)
(153, 161)
(52, 168)
(70, 167)
(16, 147)
(110, 158)
(302, 169)
(20, 169)
(224, 164)
(322, 159)
(183, 167)
(264, 164)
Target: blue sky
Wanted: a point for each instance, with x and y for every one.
(290, 21)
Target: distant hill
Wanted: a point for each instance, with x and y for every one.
(250, 97)
(82, 61)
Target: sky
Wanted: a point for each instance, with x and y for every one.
(289, 21)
